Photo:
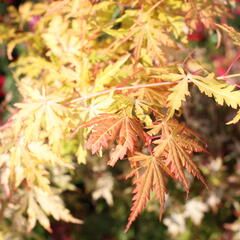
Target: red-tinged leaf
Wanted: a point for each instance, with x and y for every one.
(190, 166)
(128, 137)
(141, 194)
(174, 163)
(176, 146)
(190, 144)
(149, 177)
(99, 119)
(112, 128)
(159, 186)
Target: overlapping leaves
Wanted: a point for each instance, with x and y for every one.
(110, 128)
(171, 154)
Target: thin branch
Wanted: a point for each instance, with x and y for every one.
(120, 89)
(136, 87)
(229, 76)
(231, 65)
(129, 78)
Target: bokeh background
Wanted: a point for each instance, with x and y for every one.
(103, 198)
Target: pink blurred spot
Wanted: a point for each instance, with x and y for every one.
(2, 81)
(199, 27)
(32, 23)
(237, 11)
(220, 71)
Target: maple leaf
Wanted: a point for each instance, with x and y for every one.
(147, 34)
(220, 90)
(148, 100)
(176, 145)
(177, 96)
(109, 72)
(148, 177)
(110, 128)
(40, 112)
(41, 204)
(152, 96)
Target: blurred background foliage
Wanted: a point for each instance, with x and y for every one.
(103, 200)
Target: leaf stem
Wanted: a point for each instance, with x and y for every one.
(155, 137)
(154, 6)
(231, 65)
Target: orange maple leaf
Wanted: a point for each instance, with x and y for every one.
(112, 128)
(148, 177)
(176, 145)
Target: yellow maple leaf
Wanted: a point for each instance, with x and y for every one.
(220, 90)
(177, 96)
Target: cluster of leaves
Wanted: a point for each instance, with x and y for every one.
(111, 76)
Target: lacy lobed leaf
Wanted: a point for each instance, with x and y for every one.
(110, 128)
